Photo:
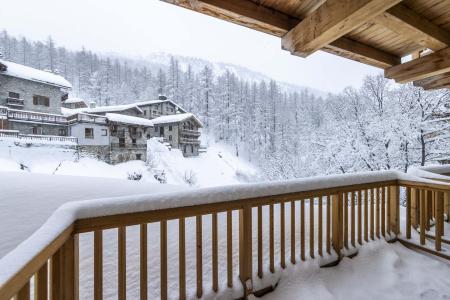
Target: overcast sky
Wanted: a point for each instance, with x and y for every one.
(140, 27)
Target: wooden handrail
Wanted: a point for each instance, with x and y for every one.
(344, 228)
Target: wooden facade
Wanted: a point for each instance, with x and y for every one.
(380, 33)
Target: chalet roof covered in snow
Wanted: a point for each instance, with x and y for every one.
(113, 108)
(151, 102)
(74, 100)
(176, 119)
(118, 118)
(28, 73)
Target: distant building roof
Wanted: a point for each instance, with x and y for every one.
(28, 73)
(151, 102)
(74, 100)
(176, 119)
(113, 108)
(118, 118)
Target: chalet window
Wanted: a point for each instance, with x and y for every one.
(14, 95)
(37, 130)
(192, 149)
(184, 149)
(114, 128)
(89, 133)
(122, 133)
(148, 136)
(139, 156)
(170, 137)
(122, 142)
(62, 132)
(41, 100)
(133, 141)
(170, 128)
(156, 129)
(104, 132)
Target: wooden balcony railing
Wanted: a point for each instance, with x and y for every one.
(322, 218)
(36, 117)
(184, 140)
(187, 132)
(37, 138)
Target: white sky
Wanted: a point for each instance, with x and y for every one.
(140, 27)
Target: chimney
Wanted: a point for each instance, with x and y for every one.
(92, 104)
(162, 97)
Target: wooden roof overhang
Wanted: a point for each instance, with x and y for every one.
(375, 32)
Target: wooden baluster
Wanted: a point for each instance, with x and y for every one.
(55, 276)
(428, 209)
(68, 261)
(319, 234)
(230, 248)
(282, 236)
(328, 224)
(377, 212)
(415, 195)
(352, 229)
(311, 227)
(143, 261)
(215, 249)
(408, 212)
(293, 232)
(366, 215)
(302, 229)
(199, 237)
(447, 204)
(245, 249)
(395, 209)
(182, 257)
(383, 211)
(439, 219)
(337, 223)
(24, 292)
(372, 213)
(98, 265)
(388, 214)
(422, 216)
(260, 243)
(271, 240)
(345, 208)
(122, 268)
(41, 283)
(360, 229)
(163, 258)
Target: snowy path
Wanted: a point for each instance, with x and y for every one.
(27, 200)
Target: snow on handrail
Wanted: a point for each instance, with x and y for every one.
(67, 214)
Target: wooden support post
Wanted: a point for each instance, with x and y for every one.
(408, 212)
(143, 262)
(292, 232)
(229, 248)
(447, 205)
(422, 216)
(182, 257)
(24, 292)
(163, 258)
(245, 249)
(366, 215)
(98, 265)
(320, 230)
(394, 219)
(439, 219)
(260, 243)
(311, 227)
(68, 269)
(41, 284)
(271, 240)
(328, 224)
(55, 276)
(302, 229)
(282, 236)
(122, 263)
(215, 254)
(360, 217)
(415, 207)
(337, 214)
(428, 208)
(199, 255)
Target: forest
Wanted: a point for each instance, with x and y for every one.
(378, 126)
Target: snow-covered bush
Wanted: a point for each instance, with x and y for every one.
(190, 177)
(160, 175)
(137, 175)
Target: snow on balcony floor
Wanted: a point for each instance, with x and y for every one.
(379, 271)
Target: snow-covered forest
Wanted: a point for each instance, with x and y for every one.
(285, 133)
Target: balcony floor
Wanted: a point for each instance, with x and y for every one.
(379, 271)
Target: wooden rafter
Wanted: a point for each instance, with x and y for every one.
(261, 18)
(434, 82)
(424, 67)
(332, 20)
(407, 23)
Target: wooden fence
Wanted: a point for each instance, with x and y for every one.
(329, 221)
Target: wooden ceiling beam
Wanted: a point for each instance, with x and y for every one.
(427, 66)
(332, 20)
(258, 17)
(409, 24)
(434, 82)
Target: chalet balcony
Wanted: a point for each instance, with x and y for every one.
(184, 140)
(188, 132)
(36, 117)
(14, 102)
(337, 216)
(15, 134)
